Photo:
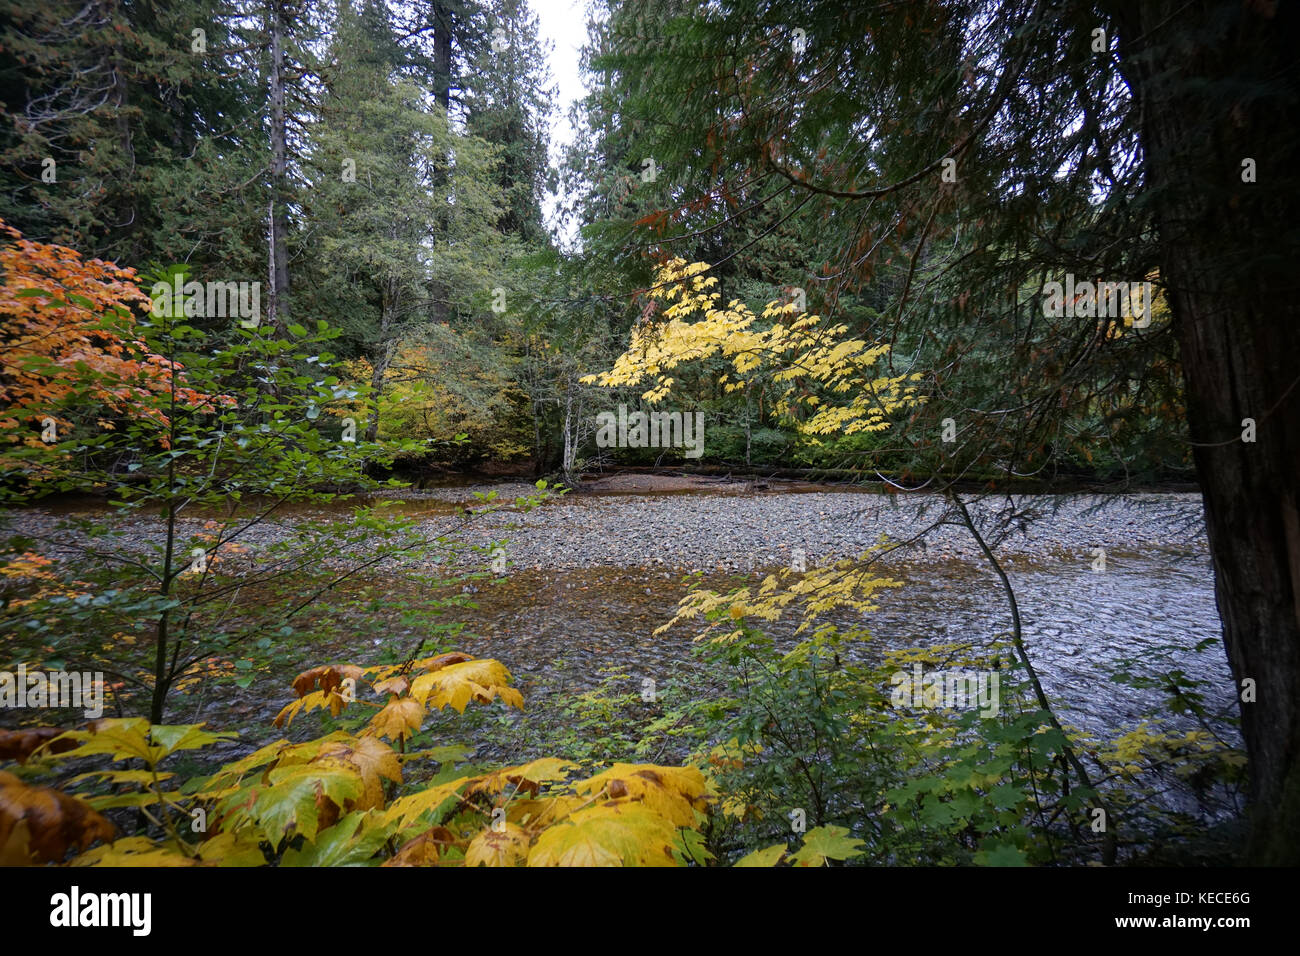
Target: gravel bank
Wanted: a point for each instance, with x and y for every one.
(742, 532)
(730, 532)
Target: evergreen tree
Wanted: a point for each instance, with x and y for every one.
(992, 148)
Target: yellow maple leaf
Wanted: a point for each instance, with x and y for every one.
(373, 759)
(405, 811)
(674, 793)
(526, 777)
(399, 719)
(617, 833)
(507, 846)
(455, 686)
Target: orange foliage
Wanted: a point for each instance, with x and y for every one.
(60, 324)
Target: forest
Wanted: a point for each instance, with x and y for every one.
(742, 433)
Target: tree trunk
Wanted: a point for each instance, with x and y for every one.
(383, 354)
(443, 28)
(537, 437)
(567, 466)
(278, 300)
(1214, 85)
(125, 211)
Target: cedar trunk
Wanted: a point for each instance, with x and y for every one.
(1214, 83)
(278, 300)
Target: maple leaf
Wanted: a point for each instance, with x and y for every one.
(67, 323)
(398, 685)
(21, 744)
(372, 759)
(675, 793)
(399, 719)
(457, 684)
(325, 678)
(427, 849)
(440, 661)
(145, 777)
(133, 738)
(827, 843)
(1001, 854)
(507, 846)
(543, 811)
(174, 737)
(41, 824)
(305, 798)
(133, 851)
(770, 856)
(240, 847)
(329, 678)
(350, 842)
(140, 798)
(121, 738)
(526, 777)
(406, 810)
(226, 780)
(313, 701)
(617, 833)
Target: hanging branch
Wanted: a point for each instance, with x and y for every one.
(1108, 840)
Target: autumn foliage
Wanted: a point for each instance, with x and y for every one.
(342, 799)
(66, 338)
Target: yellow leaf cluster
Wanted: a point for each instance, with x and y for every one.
(823, 370)
(331, 800)
(814, 592)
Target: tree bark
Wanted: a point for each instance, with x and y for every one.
(384, 352)
(569, 425)
(278, 299)
(1215, 86)
(444, 21)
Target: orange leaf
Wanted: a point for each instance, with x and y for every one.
(20, 744)
(427, 849)
(40, 824)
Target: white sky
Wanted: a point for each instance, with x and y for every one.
(564, 24)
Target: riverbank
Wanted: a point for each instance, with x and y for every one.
(738, 530)
(589, 578)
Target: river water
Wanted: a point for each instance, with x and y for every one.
(591, 577)
(1078, 623)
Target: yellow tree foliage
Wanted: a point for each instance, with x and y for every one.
(826, 376)
(812, 593)
(437, 392)
(829, 387)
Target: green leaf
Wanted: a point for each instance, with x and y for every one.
(185, 736)
(144, 777)
(827, 843)
(350, 842)
(1002, 854)
(291, 799)
(143, 798)
(768, 857)
(1006, 796)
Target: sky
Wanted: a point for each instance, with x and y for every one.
(564, 24)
